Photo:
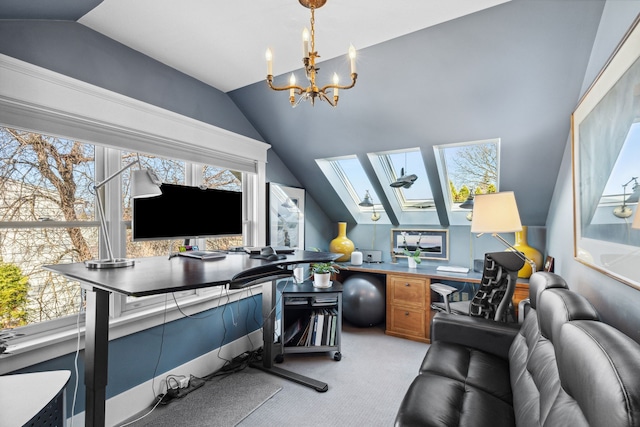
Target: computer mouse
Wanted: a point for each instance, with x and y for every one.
(273, 257)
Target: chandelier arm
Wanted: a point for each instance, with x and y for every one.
(270, 82)
(354, 76)
(324, 97)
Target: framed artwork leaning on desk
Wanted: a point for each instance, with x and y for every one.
(433, 244)
(285, 216)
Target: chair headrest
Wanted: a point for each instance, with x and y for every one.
(509, 260)
(558, 306)
(542, 280)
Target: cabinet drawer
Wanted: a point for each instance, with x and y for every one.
(407, 321)
(408, 291)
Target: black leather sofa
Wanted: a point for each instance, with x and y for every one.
(561, 367)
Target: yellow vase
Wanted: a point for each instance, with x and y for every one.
(341, 244)
(533, 254)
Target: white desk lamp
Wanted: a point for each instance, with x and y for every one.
(144, 183)
(498, 213)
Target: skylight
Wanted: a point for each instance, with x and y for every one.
(467, 168)
(349, 179)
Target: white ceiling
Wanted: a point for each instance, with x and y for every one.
(222, 42)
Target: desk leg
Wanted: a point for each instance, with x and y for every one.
(269, 314)
(96, 354)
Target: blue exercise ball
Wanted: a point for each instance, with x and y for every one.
(363, 300)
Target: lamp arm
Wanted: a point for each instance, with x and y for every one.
(97, 186)
(103, 226)
(103, 221)
(522, 256)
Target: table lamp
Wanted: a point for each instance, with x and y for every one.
(144, 183)
(498, 213)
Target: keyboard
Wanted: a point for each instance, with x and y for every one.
(452, 269)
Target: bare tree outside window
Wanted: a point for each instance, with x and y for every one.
(44, 186)
(470, 168)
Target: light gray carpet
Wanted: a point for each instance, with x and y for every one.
(221, 401)
(365, 387)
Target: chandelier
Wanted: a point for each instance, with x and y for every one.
(311, 92)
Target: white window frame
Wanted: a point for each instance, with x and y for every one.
(44, 101)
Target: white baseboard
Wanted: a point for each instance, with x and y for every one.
(135, 400)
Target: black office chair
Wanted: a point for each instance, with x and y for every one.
(493, 298)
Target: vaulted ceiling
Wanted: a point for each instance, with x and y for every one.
(429, 73)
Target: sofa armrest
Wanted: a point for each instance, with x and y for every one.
(474, 332)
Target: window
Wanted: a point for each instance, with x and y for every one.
(46, 217)
(404, 180)
(63, 106)
(467, 168)
(406, 167)
(224, 179)
(349, 179)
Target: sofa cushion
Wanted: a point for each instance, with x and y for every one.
(475, 368)
(435, 400)
(534, 373)
(599, 370)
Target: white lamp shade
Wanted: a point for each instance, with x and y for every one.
(143, 184)
(636, 220)
(495, 213)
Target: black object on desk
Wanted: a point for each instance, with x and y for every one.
(159, 275)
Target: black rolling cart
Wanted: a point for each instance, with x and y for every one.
(311, 319)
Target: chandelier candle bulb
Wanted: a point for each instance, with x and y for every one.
(336, 81)
(352, 57)
(305, 43)
(292, 82)
(269, 56)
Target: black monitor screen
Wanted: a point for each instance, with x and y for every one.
(184, 212)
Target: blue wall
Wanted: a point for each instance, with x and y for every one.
(76, 51)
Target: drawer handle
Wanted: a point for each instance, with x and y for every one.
(406, 313)
(407, 284)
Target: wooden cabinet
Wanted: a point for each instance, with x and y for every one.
(408, 294)
(408, 307)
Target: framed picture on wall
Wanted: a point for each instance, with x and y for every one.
(433, 244)
(605, 152)
(285, 216)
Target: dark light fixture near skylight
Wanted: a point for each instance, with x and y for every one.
(405, 181)
(368, 203)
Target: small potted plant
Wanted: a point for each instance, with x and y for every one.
(413, 257)
(322, 273)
